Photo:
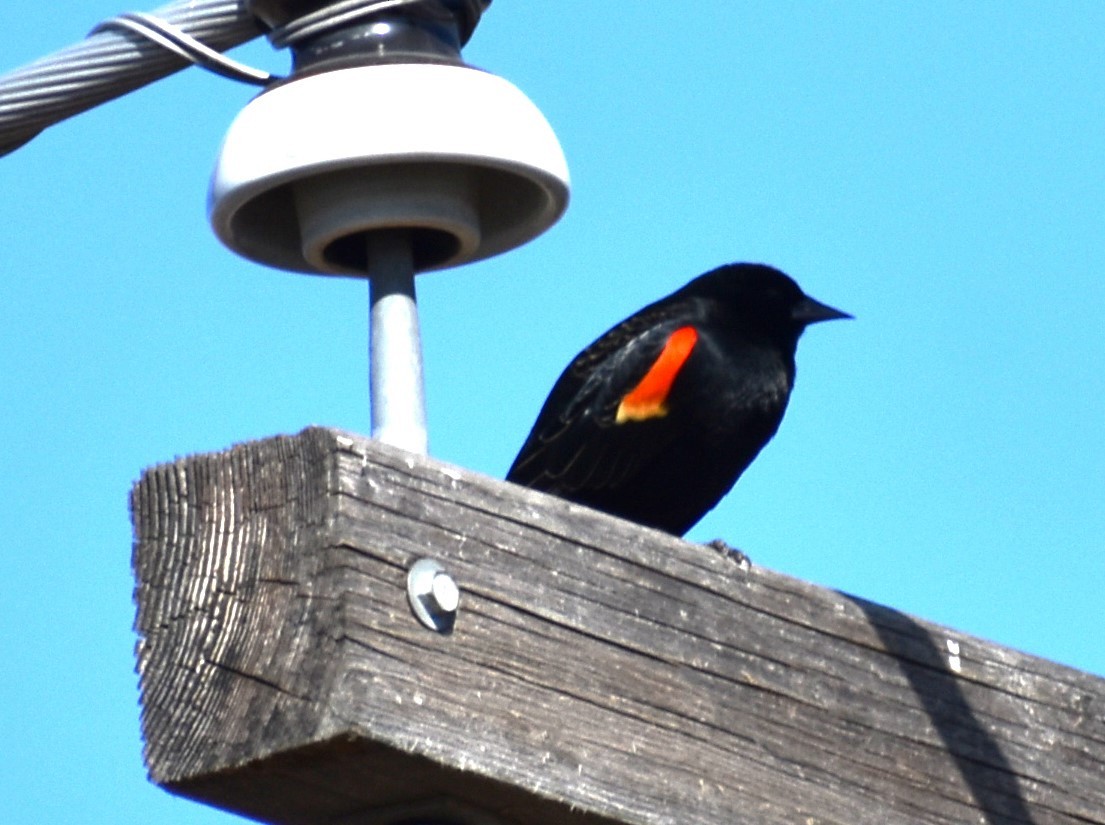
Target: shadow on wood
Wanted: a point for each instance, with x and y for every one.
(598, 672)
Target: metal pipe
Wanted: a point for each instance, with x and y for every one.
(395, 346)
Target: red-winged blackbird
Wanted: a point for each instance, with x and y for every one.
(657, 419)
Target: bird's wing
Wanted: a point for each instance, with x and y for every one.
(581, 439)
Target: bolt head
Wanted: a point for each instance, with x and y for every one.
(444, 593)
(433, 595)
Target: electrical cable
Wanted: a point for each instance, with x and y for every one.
(130, 50)
(109, 64)
(343, 12)
(335, 14)
(179, 42)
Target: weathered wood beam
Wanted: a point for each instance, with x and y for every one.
(598, 672)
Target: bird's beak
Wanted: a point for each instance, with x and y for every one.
(810, 311)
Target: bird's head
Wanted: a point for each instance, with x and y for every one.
(762, 298)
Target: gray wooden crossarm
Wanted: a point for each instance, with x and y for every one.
(597, 672)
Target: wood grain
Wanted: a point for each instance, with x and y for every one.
(597, 672)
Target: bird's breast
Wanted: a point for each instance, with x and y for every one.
(739, 379)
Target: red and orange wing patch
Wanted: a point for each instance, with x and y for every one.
(649, 398)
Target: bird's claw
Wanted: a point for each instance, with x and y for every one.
(732, 553)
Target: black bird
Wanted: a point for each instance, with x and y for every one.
(657, 419)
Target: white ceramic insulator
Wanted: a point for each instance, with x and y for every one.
(457, 155)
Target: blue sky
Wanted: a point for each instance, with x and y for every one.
(935, 169)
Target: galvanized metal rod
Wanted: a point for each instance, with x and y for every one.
(395, 345)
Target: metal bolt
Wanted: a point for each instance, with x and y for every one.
(433, 595)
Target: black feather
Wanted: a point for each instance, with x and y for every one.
(725, 403)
